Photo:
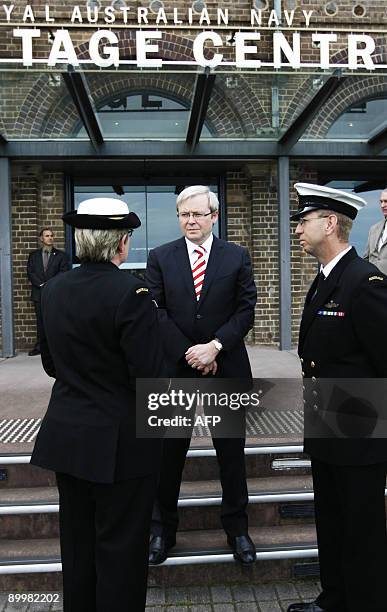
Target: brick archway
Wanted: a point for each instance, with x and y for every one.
(50, 112)
(353, 89)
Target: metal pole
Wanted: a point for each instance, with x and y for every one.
(278, 9)
(284, 255)
(8, 349)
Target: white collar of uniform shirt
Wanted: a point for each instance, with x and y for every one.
(191, 246)
(326, 270)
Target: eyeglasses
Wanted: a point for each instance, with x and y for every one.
(197, 216)
(302, 221)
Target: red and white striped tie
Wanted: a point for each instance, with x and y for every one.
(198, 270)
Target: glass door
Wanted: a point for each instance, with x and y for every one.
(155, 205)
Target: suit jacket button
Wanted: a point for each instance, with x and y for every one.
(315, 407)
(312, 364)
(302, 361)
(314, 379)
(198, 316)
(315, 393)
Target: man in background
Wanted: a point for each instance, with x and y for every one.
(376, 251)
(43, 264)
(206, 295)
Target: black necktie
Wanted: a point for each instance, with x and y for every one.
(46, 256)
(320, 282)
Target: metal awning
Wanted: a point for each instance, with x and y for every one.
(378, 140)
(78, 90)
(305, 118)
(201, 99)
(186, 112)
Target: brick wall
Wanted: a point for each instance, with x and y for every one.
(37, 201)
(252, 221)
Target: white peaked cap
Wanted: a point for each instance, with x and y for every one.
(103, 206)
(317, 197)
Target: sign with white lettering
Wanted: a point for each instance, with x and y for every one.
(208, 47)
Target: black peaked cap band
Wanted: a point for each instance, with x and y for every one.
(309, 203)
(129, 221)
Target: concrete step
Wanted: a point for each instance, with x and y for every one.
(33, 512)
(31, 564)
(201, 464)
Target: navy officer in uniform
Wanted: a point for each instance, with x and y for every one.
(100, 332)
(343, 335)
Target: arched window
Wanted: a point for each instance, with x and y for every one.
(144, 115)
(360, 119)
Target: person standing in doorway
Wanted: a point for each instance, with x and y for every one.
(43, 264)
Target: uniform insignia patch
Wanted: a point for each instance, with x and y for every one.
(142, 289)
(331, 305)
(371, 278)
(331, 313)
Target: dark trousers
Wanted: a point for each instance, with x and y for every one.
(104, 536)
(231, 459)
(351, 534)
(39, 323)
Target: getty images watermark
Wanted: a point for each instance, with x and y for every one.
(173, 408)
(262, 408)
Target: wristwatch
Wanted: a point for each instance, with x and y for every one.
(218, 344)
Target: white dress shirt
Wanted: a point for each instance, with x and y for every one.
(383, 237)
(191, 246)
(327, 269)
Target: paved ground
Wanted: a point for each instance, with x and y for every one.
(268, 597)
(25, 388)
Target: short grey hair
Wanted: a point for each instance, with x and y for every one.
(97, 245)
(344, 225)
(194, 190)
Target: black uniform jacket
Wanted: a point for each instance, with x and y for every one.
(343, 335)
(57, 262)
(225, 309)
(101, 332)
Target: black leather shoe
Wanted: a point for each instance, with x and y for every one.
(34, 352)
(159, 547)
(243, 548)
(305, 607)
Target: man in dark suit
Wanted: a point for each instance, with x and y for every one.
(343, 337)
(43, 264)
(206, 295)
(100, 332)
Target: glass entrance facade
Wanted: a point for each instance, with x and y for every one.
(155, 205)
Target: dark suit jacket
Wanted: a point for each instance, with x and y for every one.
(101, 332)
(225, 309)
(57, 263)
(347, 346)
